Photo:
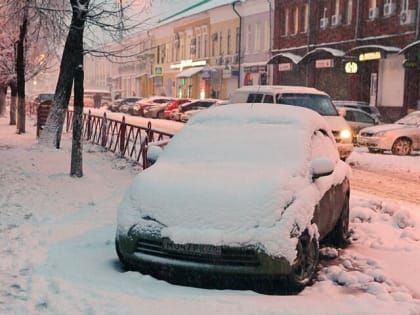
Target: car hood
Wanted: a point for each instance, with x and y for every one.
(386, 127)
(337, 122)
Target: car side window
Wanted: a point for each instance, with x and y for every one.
(269, 98)
(362, 117)
(255, 98)
(349, 115)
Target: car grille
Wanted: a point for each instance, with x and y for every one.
(199, 253)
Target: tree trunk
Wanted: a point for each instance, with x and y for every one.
(13, 88)
(3, 90)
(51, 134)
(20, 72)
(76, 168)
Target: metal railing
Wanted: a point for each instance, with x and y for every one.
(126, 140)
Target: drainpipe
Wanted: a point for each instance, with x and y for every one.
(239, 41)
(417, 20)
(270, 45)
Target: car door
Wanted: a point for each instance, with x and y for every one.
(331, 203)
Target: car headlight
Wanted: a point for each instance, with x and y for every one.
(380, 133)
(345, 134)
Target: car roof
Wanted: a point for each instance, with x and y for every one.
(280, 89)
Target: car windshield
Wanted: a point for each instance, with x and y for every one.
(410, 119)
(319, 103)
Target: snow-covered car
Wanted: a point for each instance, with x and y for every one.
(185, 114)
(151, 107)
(239, 198)
(401, 137)
(364, 106)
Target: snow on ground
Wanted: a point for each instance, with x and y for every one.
(57, 245)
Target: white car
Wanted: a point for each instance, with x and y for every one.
(239, 198)
(401, 137)
(303, 96)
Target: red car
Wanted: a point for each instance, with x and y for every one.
(174, 105)
(147, 103)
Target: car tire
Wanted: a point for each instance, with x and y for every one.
(124, 263)
(305, 265)
(371, 150)
(401, 146)
(339, 236)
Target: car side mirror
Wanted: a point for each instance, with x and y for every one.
(322, 167)
(153, 152)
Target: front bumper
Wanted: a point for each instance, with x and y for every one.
(372, 142)
(210, 266)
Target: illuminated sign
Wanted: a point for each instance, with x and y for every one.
(370, 56)
(410, 64)
(157, 71)
(351, 67)
(188, 63)
(285, 66)
(324, 63)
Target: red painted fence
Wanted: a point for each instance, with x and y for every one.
(126, 140)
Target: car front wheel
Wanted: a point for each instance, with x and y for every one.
(340, 233)
(401, 146)
(306, 262)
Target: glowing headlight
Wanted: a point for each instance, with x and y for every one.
(345, 134)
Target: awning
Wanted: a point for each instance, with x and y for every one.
(373, 48)
(188, 73)
(322, 53)
(284, 58)
(413, 45)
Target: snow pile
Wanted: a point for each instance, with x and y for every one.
(58, 257)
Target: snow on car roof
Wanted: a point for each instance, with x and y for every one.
(228, 176)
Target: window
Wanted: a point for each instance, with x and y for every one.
(296, 20)
(404, 5)
(248, 37)
(257, 41)
(306, 18)
(205, 43)
(286, 22)
(229, 42)
(220, 43)
(349, 11)
(372, 4)
(267, 35)
(337, 7)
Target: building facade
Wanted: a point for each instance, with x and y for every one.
(351, 49)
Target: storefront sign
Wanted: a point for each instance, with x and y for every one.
(324, 63)
(157, 71)
(351, 67)
(410, 64)
(285, 67)
(370, 56)
(188, 63)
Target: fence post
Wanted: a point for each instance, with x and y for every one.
(104, 129)
(122, 135)
(88, 126)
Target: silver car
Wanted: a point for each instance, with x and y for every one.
(401, 137)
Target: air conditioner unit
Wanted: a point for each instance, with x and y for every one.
(390, 9)
(336, 19)
(373, 13)
(407, 17)
(323, 22)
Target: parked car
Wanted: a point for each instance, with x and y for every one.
(187, 114)
(357, 119)
(401, 137)
(245, 194)
(151, 107)
(174, 105)
(115, 107)
(300, 96)
(366, 107)
(39, 98)
(193, 105)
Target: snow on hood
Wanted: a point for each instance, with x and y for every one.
(337, 123)
(232, 175)
(387, 127)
